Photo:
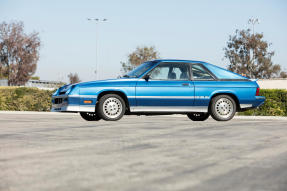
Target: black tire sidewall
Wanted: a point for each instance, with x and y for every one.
(100, 111)
(85, 116)
(200, 118)
(214, 113)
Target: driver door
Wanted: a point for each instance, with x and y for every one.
(168, 89)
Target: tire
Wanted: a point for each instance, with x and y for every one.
(198, 116)
(90, 116)
(111, 107)
(222, 108)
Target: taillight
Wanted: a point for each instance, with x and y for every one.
(257, 91)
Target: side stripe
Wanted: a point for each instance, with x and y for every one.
(169, 97)
(169, 109)
(84, 96)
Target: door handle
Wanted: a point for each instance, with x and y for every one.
(185, 84)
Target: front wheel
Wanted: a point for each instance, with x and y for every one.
(111, 107)
(90, 116)
(222, 108)
(198, 116)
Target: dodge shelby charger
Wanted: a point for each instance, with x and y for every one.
(197, 89)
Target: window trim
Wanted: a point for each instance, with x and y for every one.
(189, 78)
(214, 78)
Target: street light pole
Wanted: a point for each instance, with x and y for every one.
(253, 22)
(97, 20)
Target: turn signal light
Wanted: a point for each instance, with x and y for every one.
(257, 91)
(87, 101)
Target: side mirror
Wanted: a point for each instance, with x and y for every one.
(146, 77)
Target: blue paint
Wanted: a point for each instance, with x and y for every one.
(165, 93)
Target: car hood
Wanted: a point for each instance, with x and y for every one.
(108, 81)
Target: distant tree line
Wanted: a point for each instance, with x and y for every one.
(137, 57)
(248, 54)
(19, 53)
(73, 78)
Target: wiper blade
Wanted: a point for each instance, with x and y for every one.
(126, 76)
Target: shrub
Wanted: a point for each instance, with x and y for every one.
(275, 103)
(25, 99)
(33, 99)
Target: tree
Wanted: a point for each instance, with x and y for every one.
(140, 55)
(35, 78)
(19, 53)
(74, 78)
(248, 54)
(283, 74)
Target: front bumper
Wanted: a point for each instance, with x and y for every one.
(66, 103)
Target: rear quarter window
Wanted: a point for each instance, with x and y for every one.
(199, 73)
(221, 73)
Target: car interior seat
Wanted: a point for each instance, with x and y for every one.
(184, 75)
(172, 76)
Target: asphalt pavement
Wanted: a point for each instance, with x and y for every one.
(44, 151)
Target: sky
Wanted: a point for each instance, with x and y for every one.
(182, 29)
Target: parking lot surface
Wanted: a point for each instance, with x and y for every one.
(63, 152)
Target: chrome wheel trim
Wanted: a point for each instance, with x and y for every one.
(197, 114)
(92, 114)
(224, 108)
(112, 107)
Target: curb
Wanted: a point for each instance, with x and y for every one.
(176, 115)
(35, 113)
(261, 117)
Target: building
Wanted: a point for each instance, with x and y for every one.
(277, 83)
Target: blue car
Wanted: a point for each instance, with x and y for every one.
(197, 89)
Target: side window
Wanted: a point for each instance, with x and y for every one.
(170, 71)
(199, 73)
(159, 73)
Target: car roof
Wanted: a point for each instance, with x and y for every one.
(176, 60)
(197, 62)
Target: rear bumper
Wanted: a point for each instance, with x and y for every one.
(259, 100)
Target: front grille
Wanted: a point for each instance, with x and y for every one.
(58, 100)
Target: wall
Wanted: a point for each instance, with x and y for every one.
(41, 84)
(280, 83)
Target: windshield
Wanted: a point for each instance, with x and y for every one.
(138, 71)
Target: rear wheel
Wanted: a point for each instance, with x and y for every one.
(200, 116)
(90, 116)
(222, 108)
(111, 107)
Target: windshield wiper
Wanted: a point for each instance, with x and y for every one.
(126, 76)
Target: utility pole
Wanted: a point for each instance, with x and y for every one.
(97, 21)
(253, 22)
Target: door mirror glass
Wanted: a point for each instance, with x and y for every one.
(146, 77)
